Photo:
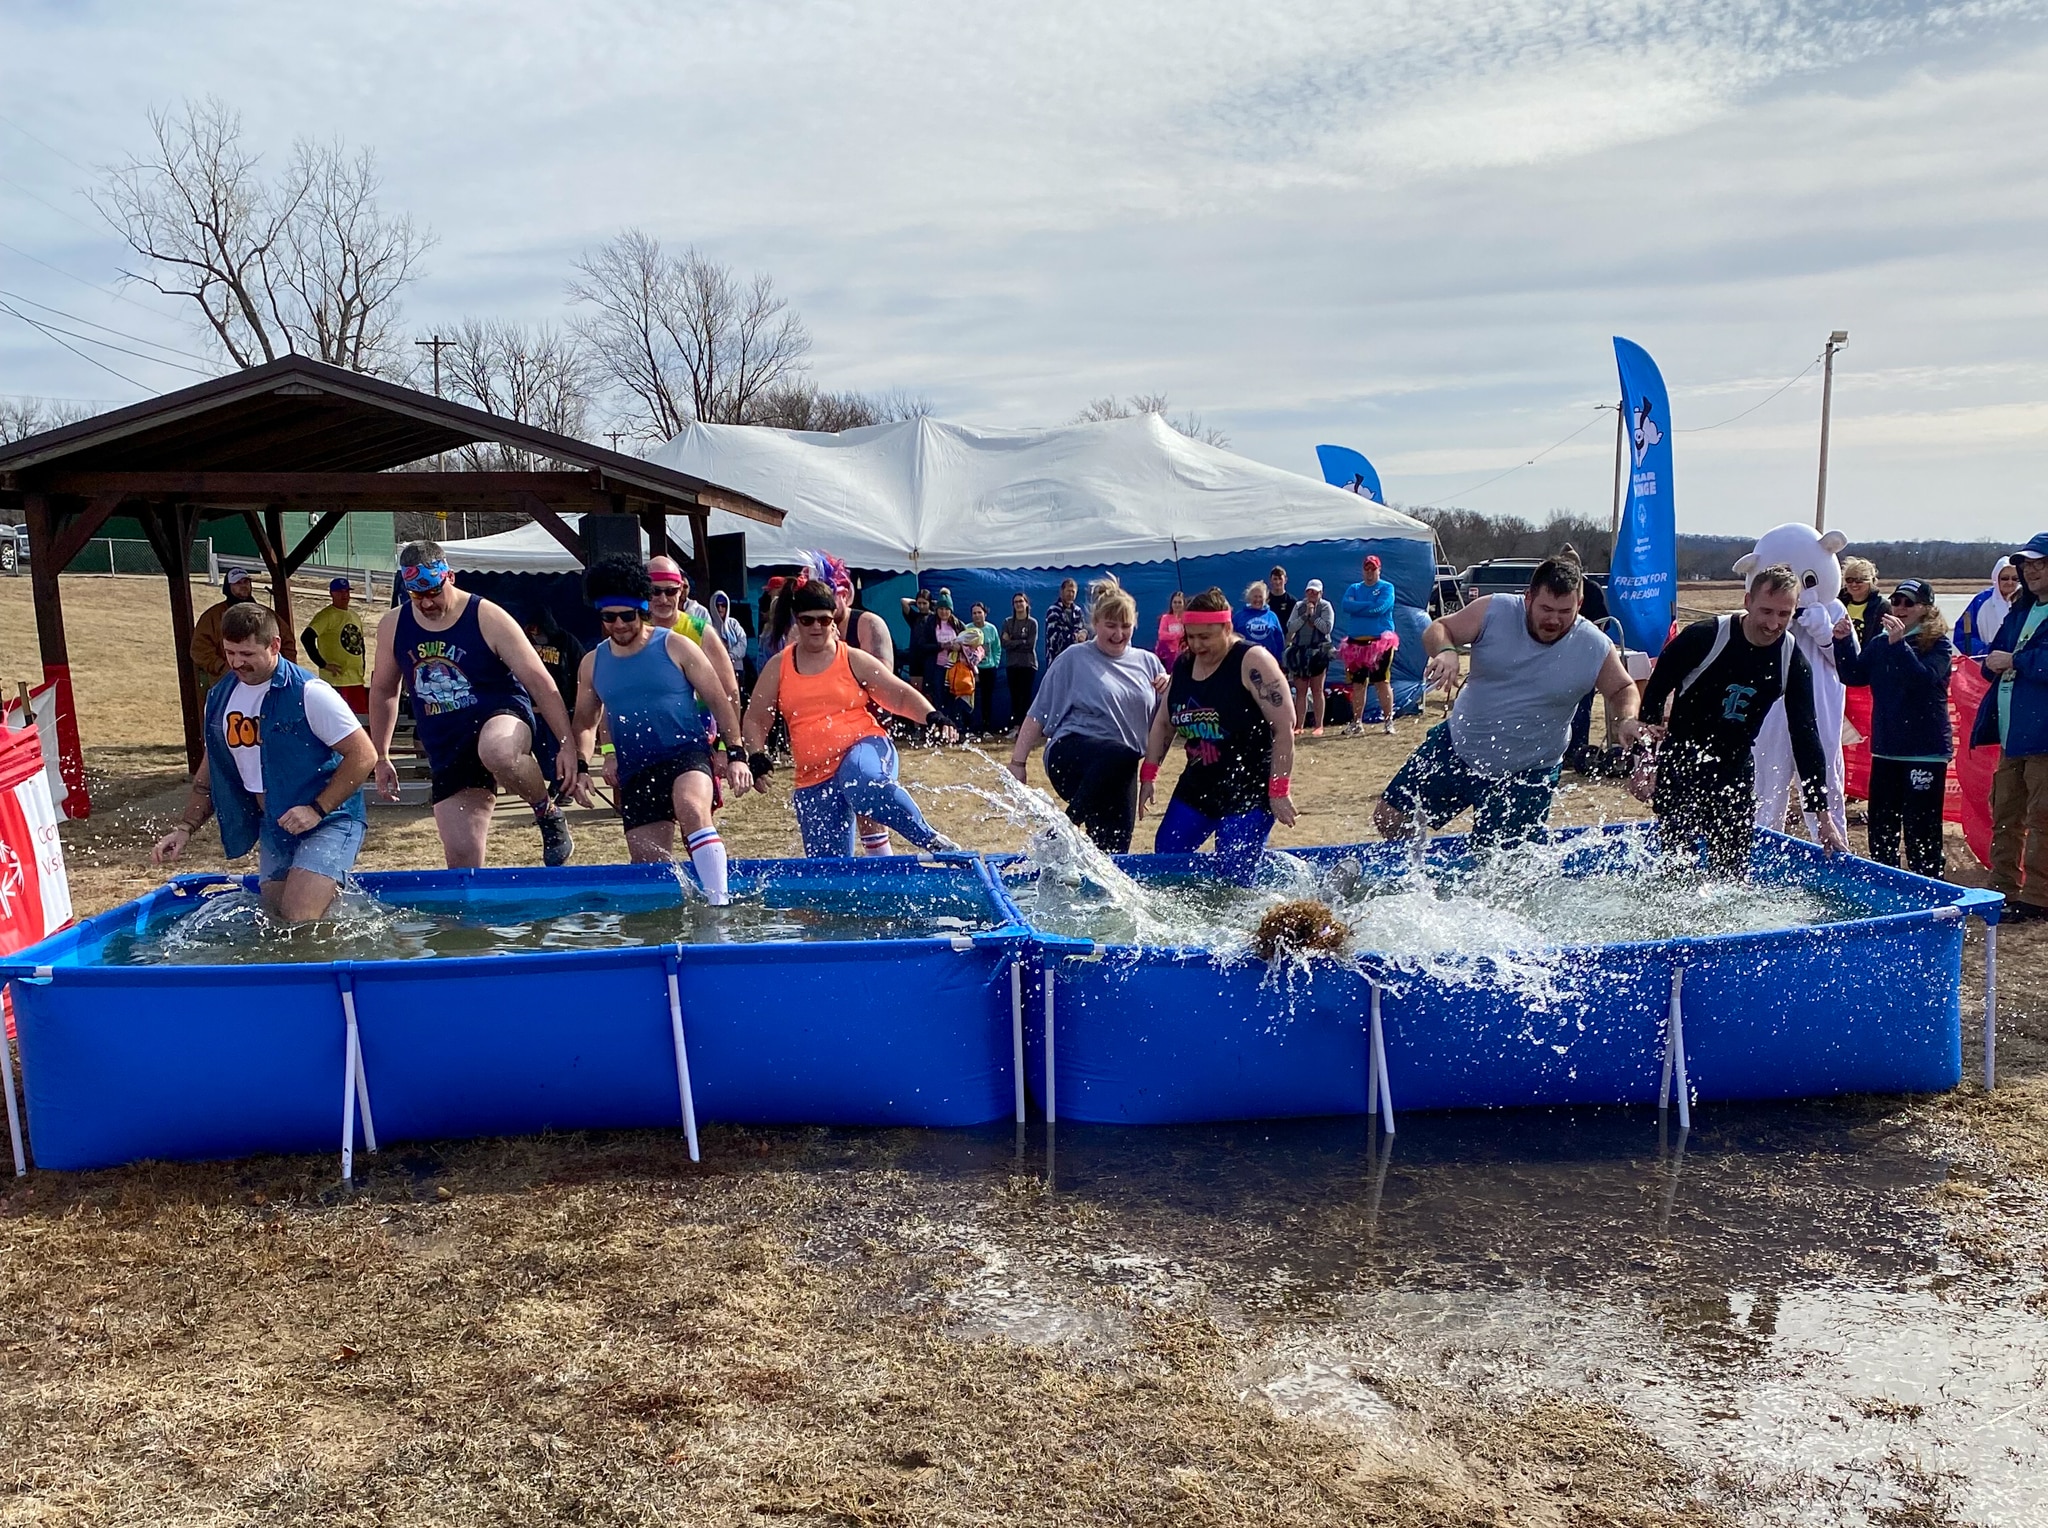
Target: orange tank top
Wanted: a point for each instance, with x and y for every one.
(827, 714)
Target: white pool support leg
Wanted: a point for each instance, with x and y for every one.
(353, 1053)
(1052, 1095)
(1674, 1056)
(1990, 1011)
(675, 1027)
(1017, 1031)
(1379, 1091)
(348, 1008)
(13, 1109)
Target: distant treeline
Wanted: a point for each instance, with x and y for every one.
(1466, 536)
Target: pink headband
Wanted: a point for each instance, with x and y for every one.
(672, 580)
(1206, 617)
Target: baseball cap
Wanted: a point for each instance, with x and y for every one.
(2038, 547)
(232, 576)
(336, 585)
(1371, 561)
(1315, 584)
(1918, 590)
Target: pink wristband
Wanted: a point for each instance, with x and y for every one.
(1279, 785)
(1148, 772)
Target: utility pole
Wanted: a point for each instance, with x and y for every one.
(1827, 397)
(437, 345)
(615, 436)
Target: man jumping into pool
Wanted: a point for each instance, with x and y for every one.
(469, 672)
(284, 760)
(659, 694)
(1720, 678)
(845, 764)
(1533, 656)
(1228, 704)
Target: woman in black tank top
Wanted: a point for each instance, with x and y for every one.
(1228, 707)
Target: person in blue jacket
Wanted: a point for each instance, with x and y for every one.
(1906, 669)
(284, 762)
(2014, 715)
(1369, 644)
(1259, 624)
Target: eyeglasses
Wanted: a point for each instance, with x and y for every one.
(427, 593)
(815, 618)
(618, 617)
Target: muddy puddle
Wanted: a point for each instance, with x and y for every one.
(1800, 1303)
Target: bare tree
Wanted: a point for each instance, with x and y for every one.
(307, 264)
(536, 375)
(683, 337)
(22, 416)
(802, 405)
(1190, 425)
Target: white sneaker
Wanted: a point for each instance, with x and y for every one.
(1387, 728)
(1355, 729)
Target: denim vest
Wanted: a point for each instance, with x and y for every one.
(296, 764)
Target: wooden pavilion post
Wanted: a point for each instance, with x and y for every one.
(169, 528)
(44, 568)
(280, 581)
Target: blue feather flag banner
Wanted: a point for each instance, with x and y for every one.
(1642, 589)
(1349, 469)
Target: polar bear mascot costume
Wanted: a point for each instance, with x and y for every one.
(1811, 557)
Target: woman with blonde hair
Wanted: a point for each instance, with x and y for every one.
(1905, 670)
(1094, 708)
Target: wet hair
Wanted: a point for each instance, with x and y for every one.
(1109, 601)
(617, 578)
(1778, 578)
(1209, 599)
(248, 622)
(417, 554)
(1859, 567)
(1559, 576)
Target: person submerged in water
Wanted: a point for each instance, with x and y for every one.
(845, 763)
(669, 713)
(1228, 705)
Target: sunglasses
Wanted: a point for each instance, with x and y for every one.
(425, 591)
(618, 617)
(1904, 599)
(815, 618)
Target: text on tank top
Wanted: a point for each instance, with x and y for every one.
(453, 677)
(827, 714)
(1228, 741)
(1515, 711)
(649, 705)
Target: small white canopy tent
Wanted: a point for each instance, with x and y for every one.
(923, 494)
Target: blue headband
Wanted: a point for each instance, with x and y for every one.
(425, 577)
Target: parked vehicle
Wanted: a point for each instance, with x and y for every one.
(1506, 575)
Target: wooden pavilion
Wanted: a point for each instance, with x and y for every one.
(299, 435)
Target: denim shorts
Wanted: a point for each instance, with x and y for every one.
(328, 850)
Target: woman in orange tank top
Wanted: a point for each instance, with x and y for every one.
(845, 764)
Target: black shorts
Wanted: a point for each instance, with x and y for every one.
(1377, 673)
(463, 770)
(649, 795)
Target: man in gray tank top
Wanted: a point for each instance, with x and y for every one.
(1497, 756)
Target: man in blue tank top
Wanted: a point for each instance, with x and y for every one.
(1533, 656)
(474, 682)
(660, 695)
(283, 762)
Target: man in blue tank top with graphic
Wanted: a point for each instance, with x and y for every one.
(670, 718)
(283, 762)
(1533, 656)
(474, 682)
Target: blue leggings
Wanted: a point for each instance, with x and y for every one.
(1240, 840)
(864, 785)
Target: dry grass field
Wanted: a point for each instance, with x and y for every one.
(594, 1330)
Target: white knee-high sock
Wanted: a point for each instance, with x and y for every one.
(707, 858)
(876, 844)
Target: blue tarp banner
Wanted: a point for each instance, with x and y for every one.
(1642, 591)
(1349, 469)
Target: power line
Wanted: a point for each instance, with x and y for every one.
(72, 276)
(106, 328)
(24, 190)
(110, 345)
(1598, 410)
(50, 146)
(89, 360)
(1702, 429)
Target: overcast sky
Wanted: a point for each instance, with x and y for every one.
(1407, 228)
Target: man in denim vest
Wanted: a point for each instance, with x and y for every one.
(284, 760)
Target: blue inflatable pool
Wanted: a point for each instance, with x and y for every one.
(191, 1061)
(1868, 1003)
